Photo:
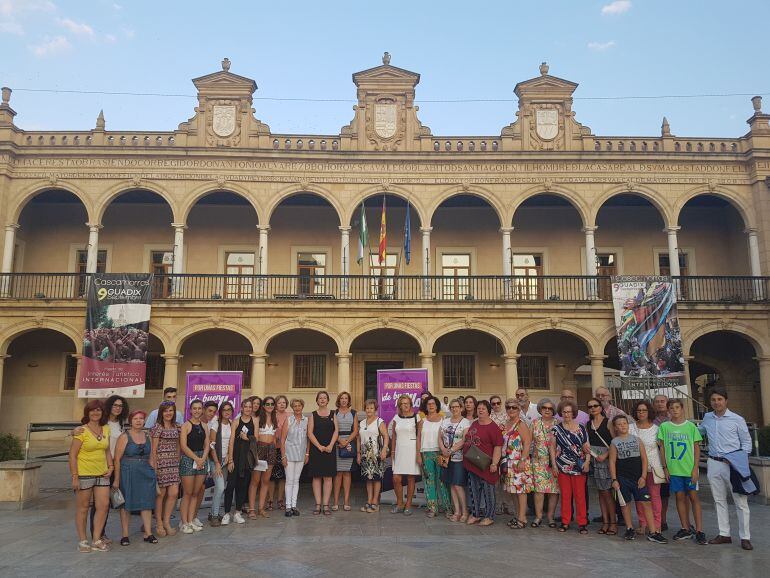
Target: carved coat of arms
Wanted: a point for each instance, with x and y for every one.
(223, 122)
(385, 119)
(547, 123)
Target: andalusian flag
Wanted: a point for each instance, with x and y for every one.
(383, 234)
(363, 235)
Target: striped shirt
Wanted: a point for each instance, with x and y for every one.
(296, 439)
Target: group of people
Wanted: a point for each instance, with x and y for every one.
(477, 458)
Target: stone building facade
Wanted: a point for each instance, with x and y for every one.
(253, 239)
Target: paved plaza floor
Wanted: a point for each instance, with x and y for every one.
(42, 542)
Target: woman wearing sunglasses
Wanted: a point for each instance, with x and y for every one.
(544, 470)
(600, 434)
(135, 476)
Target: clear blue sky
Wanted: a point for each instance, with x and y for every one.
(461, 49)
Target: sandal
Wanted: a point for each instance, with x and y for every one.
(264, 514)
(281, 505)
(84, 547)
(454, 518)
(346, 507)
(269, 505)
(100, 546)
(563, 527)
(516, 524)
(160, 531)
(365, 508)
(335, 508)
(396, 509)
(170, 531)
(551, 524)
(536, 523)
(317, 510)
(374, 508)
(327, 511)
(252, 514)
(486, 522)
(583, 529)
(463, 519)
(124, 541)
(603, 529)
(613, 530)
(151, 539)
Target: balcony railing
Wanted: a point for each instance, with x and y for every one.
(476, 288)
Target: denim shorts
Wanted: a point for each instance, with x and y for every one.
(682, 484)
(631, 491)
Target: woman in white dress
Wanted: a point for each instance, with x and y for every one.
(404, 451)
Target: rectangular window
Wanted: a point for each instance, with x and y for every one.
(82, 264)
(606, 266)
(70, 372)
(236, 362)
(239, 268)
(309, 371)
(156, 369)
(527, 270)
(455, 269)
(533, 371)
(311, 268)
(383, 283)
(459, 371)
(161, 265)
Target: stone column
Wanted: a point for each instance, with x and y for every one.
(764, 380)
(507, 258)
(2, 364)
(343, 371)
(93, 247)
(673, 250)
(591, 285)
(756, 268)
(258, 376)
(262, 257)
(8, 247)
(426, 286)
(177, 268)
(511, 374)
(597, 372)
(426, 361)
(170, 370)
(345, 256)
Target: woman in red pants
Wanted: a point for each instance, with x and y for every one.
(572, 460)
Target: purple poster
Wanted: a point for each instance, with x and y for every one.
(218, 386)
(392, 383)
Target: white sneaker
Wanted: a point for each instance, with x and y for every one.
(196, 528)
(187, 529)
(197, 523)
(238, 518)
(225, 519)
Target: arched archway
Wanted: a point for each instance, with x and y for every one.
(215, 349)
(379, 348)
(619, 253)
(727, 358)
(549, 361)
(300, 362)
(712, 238)
(468, 361)
(53, 235)
(39, 380)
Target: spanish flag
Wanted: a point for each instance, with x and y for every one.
(383, 235)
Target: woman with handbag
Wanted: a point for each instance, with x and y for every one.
(346, 449)
(135, 476)
(451, 443)
(220, 432)
(600, 434)
(372, 450)
(428, 430)
(404, 452)
(481, 457)
(239, 469)
(277, 487)
(516, 474)
(645, 430)
(572, 459)
(322, 433)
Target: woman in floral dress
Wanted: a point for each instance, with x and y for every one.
(544, 463)
(517, 478)
(165, 457)
(372, 450)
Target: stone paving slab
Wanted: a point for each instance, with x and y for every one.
(42, 542)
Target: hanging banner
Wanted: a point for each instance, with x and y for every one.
(649, 339)
(116, 336)
(391, 384)
(218, 386)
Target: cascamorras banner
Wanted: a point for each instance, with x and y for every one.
(116, 336)
(649, 339)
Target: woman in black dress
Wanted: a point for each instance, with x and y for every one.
(322, 431)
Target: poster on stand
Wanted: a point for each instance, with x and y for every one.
(391, 384)
(114, 358)
(647, 324)
(218, 386)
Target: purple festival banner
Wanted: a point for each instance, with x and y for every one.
(392, 383)
(219, 386)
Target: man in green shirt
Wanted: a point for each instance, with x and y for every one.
(680, 453)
